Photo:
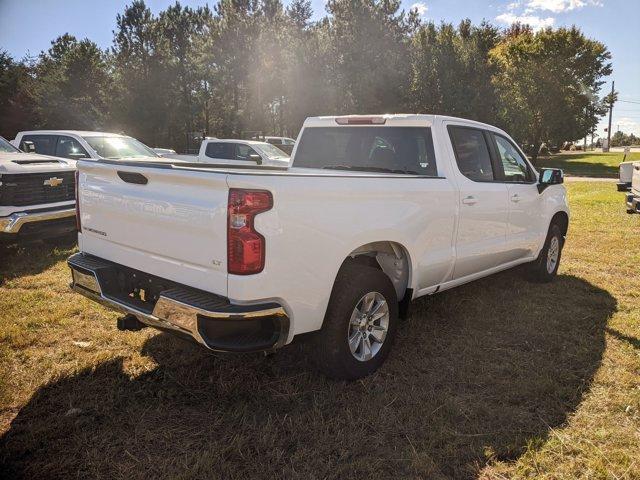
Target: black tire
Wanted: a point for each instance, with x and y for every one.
(331, 351)
(540, 270)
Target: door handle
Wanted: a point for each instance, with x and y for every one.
(515, 198)
(133, 177)
(470, 200)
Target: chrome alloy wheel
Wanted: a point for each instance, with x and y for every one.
(553, 253)
(368, 326)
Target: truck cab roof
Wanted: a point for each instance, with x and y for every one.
(81, 133)
(390, 120)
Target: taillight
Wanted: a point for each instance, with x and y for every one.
(78, 226)
(245, 246)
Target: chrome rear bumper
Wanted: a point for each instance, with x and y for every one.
(14, 222)
(208, 319)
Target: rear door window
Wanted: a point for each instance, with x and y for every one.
(472, 153)
(68, 147)
(44, 144)
(224, 151)
(404, 150)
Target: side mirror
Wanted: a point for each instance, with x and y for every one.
(28, 146)
(549, 176)
(256, 158)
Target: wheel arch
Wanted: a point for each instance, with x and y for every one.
(561, 218)
(391, 257)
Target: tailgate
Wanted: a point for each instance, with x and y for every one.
(167, 222)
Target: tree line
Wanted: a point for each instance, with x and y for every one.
(258, 66)
(620, 139)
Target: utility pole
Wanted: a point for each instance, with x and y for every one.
(586, 114)
(610, 114)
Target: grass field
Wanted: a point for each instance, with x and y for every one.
(497, 379)
(588, 164)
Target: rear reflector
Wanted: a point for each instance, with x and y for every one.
(246, 247)
(360, 120)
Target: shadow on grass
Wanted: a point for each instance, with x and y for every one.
(633, 341)
(477, 374)
(17, 260)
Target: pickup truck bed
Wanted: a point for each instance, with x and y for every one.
(182, 238)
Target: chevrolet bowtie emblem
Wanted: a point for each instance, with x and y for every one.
(53, 182)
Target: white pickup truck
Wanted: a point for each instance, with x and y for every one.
(37, 195)
(77, 144)
(236, 152)
(374, 212)
(625, 174)
(633, 197)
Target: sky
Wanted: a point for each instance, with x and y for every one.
(28, 26)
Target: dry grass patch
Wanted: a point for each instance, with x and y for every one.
(499, 378)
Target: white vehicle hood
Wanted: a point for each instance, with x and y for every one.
(276, 162)
(16, 162)
(272, 161)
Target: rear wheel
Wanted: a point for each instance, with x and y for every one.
(545, 267)
(360, 324)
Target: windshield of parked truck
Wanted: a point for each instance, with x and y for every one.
(407, 150)
(6, 147)
(119, 147)
(272, 151)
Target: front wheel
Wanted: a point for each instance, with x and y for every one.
(360, 324)
(545, 267)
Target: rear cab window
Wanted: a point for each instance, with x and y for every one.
(402, 150)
